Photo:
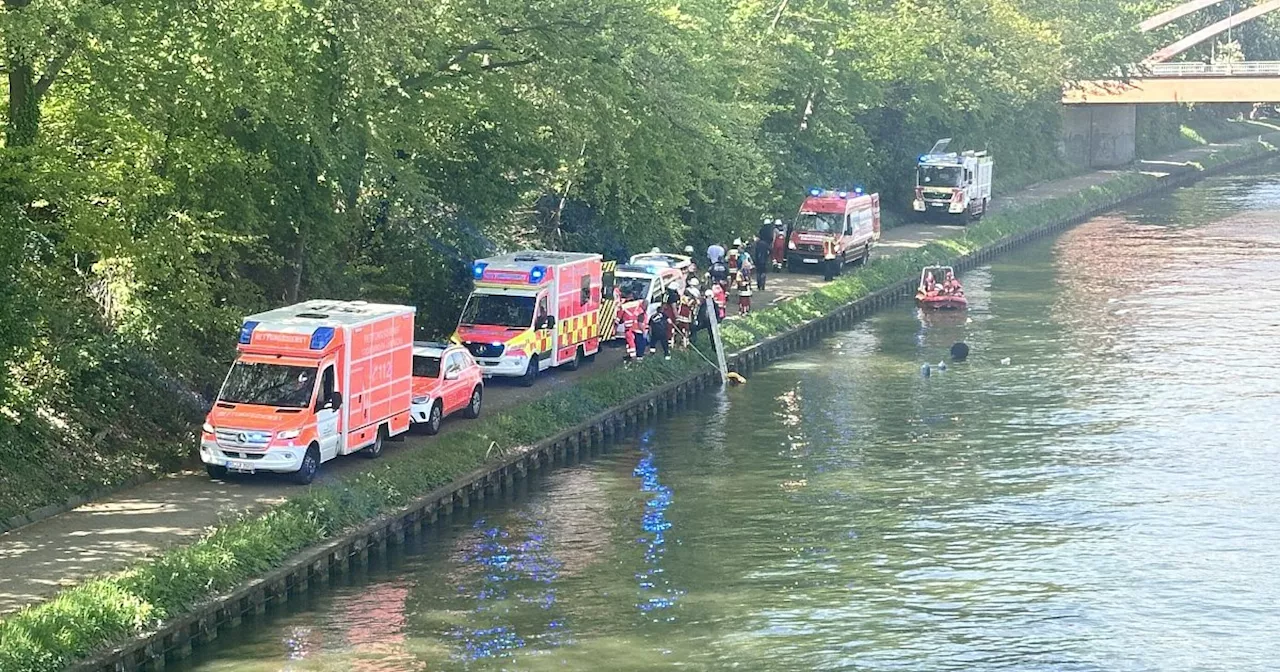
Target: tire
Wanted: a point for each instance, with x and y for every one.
(310, 466)
(434, 419)
(374, 450)
(574, 363)
(530, 373)
(473, 409)
(216, 471)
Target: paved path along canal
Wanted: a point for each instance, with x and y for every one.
(1109, 499)
(105, 535)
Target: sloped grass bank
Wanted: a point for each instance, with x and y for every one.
(84, 619)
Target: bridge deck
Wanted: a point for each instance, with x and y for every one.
(1177, 89)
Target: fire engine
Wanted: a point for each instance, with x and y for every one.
(850, 218)
(531, 311)
(312, 381)
(951, 184)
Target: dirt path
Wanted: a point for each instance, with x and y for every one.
(36, 560)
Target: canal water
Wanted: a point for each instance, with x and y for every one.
(1096, 488)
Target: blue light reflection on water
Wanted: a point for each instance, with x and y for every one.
(515, 573)
(657, 594)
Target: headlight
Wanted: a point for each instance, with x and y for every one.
(208, 428)
(791, 245)
(289, 434)
(421, 400)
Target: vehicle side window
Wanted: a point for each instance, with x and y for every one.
(327, 382)
(848, 224)
(542, 309)
(586, 290)
(454, 364)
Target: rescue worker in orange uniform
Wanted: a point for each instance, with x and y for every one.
(639, 329)
(828, 259)
(721, 299)
(628, 315)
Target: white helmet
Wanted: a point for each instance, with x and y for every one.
(737, 242)
(655, 251)
(688, 249)
(693, 282)
(707, 293)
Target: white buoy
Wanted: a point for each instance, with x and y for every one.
(1005, 361)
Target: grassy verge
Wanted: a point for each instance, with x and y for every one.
(85, 618)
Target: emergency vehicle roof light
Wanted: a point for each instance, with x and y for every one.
(537, 273)
(321, 337)
(857, 190)
(246, 331)
(815, 192)
(843, 194)
(477, 269)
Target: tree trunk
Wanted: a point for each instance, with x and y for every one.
(24, 104)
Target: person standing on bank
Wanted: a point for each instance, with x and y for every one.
(829, 259)
(763, 252)
(660, 331)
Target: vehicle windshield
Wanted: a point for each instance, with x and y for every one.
(269, 385)
(823, 222)
(938, 176)
(634, 288)
(498, 310)
(426, 367)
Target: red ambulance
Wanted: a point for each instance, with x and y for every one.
(531, 311)
(850, 218)
(313, 381)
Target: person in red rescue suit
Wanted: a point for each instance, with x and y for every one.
(640, 327)
(629, 314)
(720, 298)
(743, 283)
(828, 259)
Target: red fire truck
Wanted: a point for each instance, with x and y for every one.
(851, 218)
(531, 311)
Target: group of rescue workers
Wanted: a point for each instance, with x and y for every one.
(687, 306)
(948, 287)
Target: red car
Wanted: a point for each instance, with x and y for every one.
(446, 379)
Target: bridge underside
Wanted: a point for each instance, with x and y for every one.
(1176, 90)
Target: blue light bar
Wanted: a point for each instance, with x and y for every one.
(536, 274)
(815, 192)
(321, 337)
(477, 269)
(923, 157)
(857, 190)
(246, 332)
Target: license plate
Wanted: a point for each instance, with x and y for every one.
(810, 261)
(237, 465)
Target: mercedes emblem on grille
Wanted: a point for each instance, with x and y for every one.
(242, 437)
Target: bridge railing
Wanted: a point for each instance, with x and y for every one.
(1191, 69)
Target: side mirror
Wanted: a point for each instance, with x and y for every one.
(451, 375)
(335, 400)
(547, 322)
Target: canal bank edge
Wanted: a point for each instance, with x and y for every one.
(81, 619)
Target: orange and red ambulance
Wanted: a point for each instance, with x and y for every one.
(850, 219)
(531, 311)
(312, 381)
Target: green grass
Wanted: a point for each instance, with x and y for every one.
(85, 618)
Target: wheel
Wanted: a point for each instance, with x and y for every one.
(216, 471)
(374, 450)
(792, 266)
(435, 418)
(530, 374)
(310, 465)
(473, 409)
(574, 363)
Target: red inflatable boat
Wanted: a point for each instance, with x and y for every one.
(940, 290)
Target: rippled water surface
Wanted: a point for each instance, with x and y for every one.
(1109, 499)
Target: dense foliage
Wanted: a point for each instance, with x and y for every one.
(168, 167)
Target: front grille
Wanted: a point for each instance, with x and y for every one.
(485, 349)
(809, 248)
(243, 456)
(243, 438)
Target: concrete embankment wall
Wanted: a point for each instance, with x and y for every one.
(315, 567)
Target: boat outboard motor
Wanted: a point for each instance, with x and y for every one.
(959, 351)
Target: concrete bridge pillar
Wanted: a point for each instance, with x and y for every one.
(1099, 136)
